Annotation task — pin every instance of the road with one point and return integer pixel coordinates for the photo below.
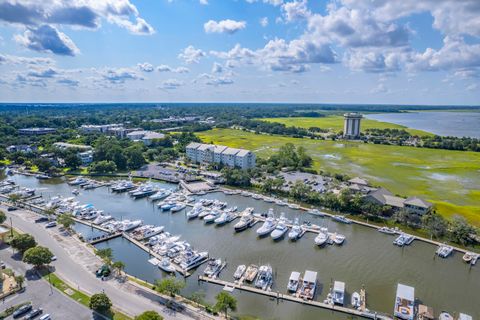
(72, 264)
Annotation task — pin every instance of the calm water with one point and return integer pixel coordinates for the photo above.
(367, 257)
(443, 123)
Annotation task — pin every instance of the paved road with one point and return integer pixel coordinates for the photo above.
(85, 280)
(39, 292)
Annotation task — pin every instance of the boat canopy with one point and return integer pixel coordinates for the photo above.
(294, 276)
(310, 276)
(405, 292)
(339, 286)
(154, 261)
(463, 316)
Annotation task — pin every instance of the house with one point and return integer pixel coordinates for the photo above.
(36, 131)
(66, 146)
(104, 128)
(417, 205)
(24, 148)
(384, 197)
(358, 181)
(86, 157)
(146, 137)
(209, 153)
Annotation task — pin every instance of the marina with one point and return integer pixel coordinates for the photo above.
(283, 256)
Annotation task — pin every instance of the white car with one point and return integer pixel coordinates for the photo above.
(54, 258)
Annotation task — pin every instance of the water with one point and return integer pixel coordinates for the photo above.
(443, 123)
(367, 257)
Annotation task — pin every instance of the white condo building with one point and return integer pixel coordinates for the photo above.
(209, 153)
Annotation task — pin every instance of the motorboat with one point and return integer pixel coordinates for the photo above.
(321, 239)
(316, 212)
(257, 196)
(161, 194)
(338, 238)
(77, 181)
(445, 316)
(470, 257)
(166, 206)
(444, 251)
(41, 176)
(178, 207)
(166, 265)
(309, 285)
(403, 239)
(91, 214)
(404, 302)
(193, 260)
(214, 214)
(143, 191)
(342, 219)
(388, 230)
(280, 229)
(75, 192)
(195, 211)
(293, 206)
(338, 292)
(123, 186)
(146, 232)
(296, 232)
(293, 281)
(128, 225)
(239, 272)
(101, 218)
(265, 277)
(225, 217)
(246, 220)
(280, 203)
(355, 300)
(205, 212)
(213, 268)
(251, 273)
(268, 225)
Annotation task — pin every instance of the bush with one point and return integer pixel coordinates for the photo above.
(100, 302)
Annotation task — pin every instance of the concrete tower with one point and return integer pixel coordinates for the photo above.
(351, 126)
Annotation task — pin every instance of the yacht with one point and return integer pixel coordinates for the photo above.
(257, 196)
(101, 218)
(166, 206)
(161, 194)
(316, 212)
(239, 272)
(193, 260)
(128, 225)
(246, 220)
(166, 265)
(146, 232)
(355, 300)
(144, 191)
(251, 273)
(265, 277)
(321, 239)
(195, 211)
(225, 217)
(404, 302)
(403, 239)
(470, 257)
(338, 238)
(342, 219)
(268, 225)
(296, 232)
(280, 202)
(309, 285)
(338, 294)
(75, 192)
(444, 251)
(178, 207)
(388, 230)
(123, 186)
(205, 212)
(77, 181)
(280, 229)
(293, 206)
(91, 214)
(293, 282)
(213, 268)
(214, 214)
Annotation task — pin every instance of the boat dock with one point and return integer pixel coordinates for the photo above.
(286, 297)
(93, 225)
(105, 237)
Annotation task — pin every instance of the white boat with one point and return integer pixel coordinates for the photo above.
(257, 196)
(143, 191)
(296, 232)
(214, 214)
(213, 268)
(166, 206)
(338, 293)
(342, 219)
(75, 192)
(149, 232)
(161, 194)
(102, 218)
(128, 225)
(404, 302)
(338, 238)
(316, 212)
(195, 211)
(280, 202)
(205, 212)
(321, 239)
(239, 272)
(225, 217)
(403, 239)
(251, 273)
(445, 316)
(178, 207)
(444, 251)
(265, 277)
(293, 206)
(309, 285)
(194, 260)
(280, 229)
(123, 186)
(267, 226)
(77, 181)
(355, 300)
(293, 281)
(388, 230)
(246, 220)
(166, 265)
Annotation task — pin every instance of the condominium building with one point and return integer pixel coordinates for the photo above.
(146, 137)
(209, 153)
(36, 131)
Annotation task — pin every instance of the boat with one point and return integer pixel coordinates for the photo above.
(403, 239)
(194, 260)
(342, 219)
(316, 212)
(257, 196)
(404, 302)
(128, 225)
(213, 268)
(101, 218)
(445, 316)
(143, 191)
(338, 293)
(296, 232)
(77, 181)
(239, 272)
(178, 207)
(123, 186)
(355, 300)
(246, 220)
(42, 176)
(205, 212)
(309, 285)
(166, 265)
(214, 214)
(268, 225)
(338, 238)
(75, 192)
(293, 206)
(268, 199)
(293, 281)
(463, 316)
(195, 211)
(161, 194)
(280, 229)
(470, 257)
(265, 277)
(166, 206)
(225, 217)
(146, 232)
(321, 239)
(251, 273)
(444, 251)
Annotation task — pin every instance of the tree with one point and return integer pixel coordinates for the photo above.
(300, 190)
(105, 254)
(100, 302)
(49, 212)
(225, 301)
(435, 224)
(169, 285)
(149, 315)
(65, 220)
(119, 266)
(104, 166)
(23, 242)
(38, 256)
(42, 164)
(460, 231)
(20, 280)
(14, 197)
(72, 161)
(135, 157)
(3, 217)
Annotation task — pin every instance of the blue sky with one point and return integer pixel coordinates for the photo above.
(343, 51)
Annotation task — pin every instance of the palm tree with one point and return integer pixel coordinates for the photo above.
(119, 266)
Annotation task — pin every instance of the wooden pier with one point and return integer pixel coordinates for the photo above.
(105, 237)
(286, 297)
(91, 224)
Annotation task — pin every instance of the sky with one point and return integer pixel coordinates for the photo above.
(298, 51)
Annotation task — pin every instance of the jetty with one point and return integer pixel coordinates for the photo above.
(286, 297)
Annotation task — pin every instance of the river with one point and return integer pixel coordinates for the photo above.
(367, 257)
(442, 123)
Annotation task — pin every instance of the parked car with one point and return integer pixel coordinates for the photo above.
(33, 314)
(45, 317)
(51, 224)
(22, 310)
(12, 208)
(2, 265)
(54, 258)
(41, 219)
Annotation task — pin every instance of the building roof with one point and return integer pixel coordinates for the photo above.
(380, 194)
(230, 151)
(359, 181)
(193, 145)
(153, 135)
(405, 292)
(72, 146)
(243, 152)
(219, 149)
(339, 286)
(310, 276)
(394, 201)
(418, 202)
(204, 146)
(294, 276)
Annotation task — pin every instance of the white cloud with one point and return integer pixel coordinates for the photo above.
(171, 84)
(217, 68)
(219, 81)
(271, 2)
(264, 21)
(118, 75)
(47, 39)
(204, 2)
(191, 55)
(9, 59)
(145, 67)
(295, 10)
(224, 26)
(166, 68)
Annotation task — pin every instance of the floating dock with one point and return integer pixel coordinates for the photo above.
(286, 297)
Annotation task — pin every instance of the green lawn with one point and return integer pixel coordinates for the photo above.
(450, 179)
(335, 123)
